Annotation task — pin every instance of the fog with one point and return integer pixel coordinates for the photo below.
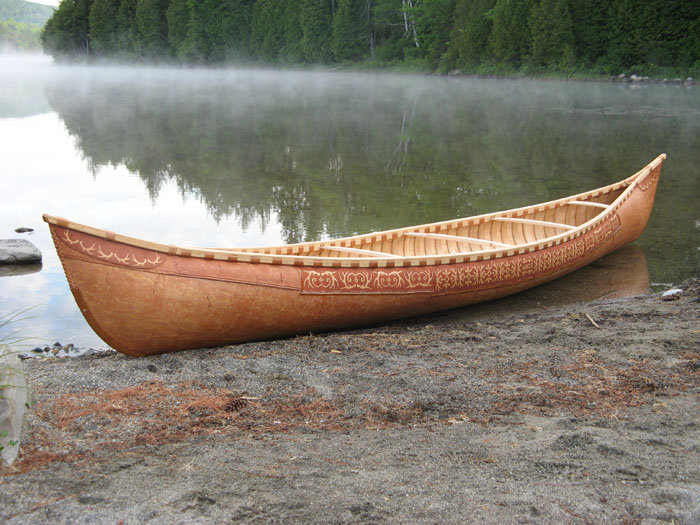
(234, 157)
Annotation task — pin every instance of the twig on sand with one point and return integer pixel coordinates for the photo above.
(591, 320)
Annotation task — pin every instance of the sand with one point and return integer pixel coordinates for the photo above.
(579, 413)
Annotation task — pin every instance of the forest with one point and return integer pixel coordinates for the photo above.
(651, 37)
(21, 23)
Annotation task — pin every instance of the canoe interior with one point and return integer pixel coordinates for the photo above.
(472, 235)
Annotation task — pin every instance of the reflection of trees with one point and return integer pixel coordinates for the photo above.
(333, 155)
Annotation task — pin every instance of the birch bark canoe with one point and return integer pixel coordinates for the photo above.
(146, 298)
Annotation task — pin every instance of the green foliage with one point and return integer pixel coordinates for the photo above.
(434, 22)
(268, 29)
(316, 20)
(127, 31)
(291, 52)
(19, 36)
(351, 31)
(65, 32)
(470, 35)
(510, 33)
(226, 24)
(589, 20)
(552, 33)
(482, 36)
(25, 12)
(103, 30)
(152, 25)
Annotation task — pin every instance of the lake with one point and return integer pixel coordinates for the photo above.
(223, 157)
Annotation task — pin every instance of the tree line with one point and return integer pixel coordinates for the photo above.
(489, 36)
(21, 23)
(17, 36)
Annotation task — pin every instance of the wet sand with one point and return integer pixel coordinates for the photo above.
(523, 411)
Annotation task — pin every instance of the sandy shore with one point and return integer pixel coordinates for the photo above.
(584, 413)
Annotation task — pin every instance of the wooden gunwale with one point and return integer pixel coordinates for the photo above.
(281, 254)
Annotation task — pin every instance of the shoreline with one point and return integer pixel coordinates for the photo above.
(575, 413)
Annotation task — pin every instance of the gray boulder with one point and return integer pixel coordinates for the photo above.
(18, 251)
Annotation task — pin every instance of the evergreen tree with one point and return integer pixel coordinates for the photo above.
(590, 29)
(58, 36)
(351, 32)
(103, 30)
(470, 35)
(227, 28)
(127, 31)
(316, 20)
(66, 32)
(435, 20)
(510, 33)
(293, 35)
(552, 34)
(267, 29)
(152, 27)
(178, 17)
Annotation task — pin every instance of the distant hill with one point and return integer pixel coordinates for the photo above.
(25, 12)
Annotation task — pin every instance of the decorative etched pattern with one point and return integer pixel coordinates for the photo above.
(366, 281)
(650, 179)
(110, 252)
(459, 277)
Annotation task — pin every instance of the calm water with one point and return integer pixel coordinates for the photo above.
(240, 158)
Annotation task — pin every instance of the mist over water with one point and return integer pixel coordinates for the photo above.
(252, 157)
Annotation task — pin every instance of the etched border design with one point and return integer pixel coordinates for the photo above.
(460, 277)
(105, 251)
(651, 177)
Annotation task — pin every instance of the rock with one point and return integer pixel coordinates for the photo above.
(454, 73)
(14, 403)
(621, 76)
(635, 78)
(690, 80)
(18, 251)
(671, 295)
(24, 230)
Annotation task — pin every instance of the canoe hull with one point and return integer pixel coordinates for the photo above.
(144, 302)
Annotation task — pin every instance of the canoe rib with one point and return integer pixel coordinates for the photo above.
(145, 298)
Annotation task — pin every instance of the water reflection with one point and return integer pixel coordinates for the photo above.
(333, 155)
(9, 270)
(623, 273)
(253, 158)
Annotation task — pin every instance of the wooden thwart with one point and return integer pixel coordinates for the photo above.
(458, 238)
(592, 204)
(536, 222)
(359, 251)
